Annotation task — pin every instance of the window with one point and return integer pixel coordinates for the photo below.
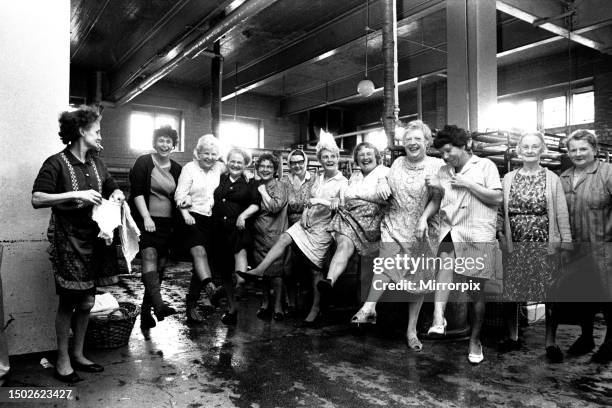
(241, 132)
(557, 113)
(144, 121)
(553, 112)
(583, 108)
(378, 138)
(521, 115)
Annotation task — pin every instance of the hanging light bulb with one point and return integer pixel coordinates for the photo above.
(366, 87)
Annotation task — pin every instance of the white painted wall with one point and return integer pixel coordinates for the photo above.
(34, 86)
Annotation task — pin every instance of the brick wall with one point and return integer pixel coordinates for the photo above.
(603, 98)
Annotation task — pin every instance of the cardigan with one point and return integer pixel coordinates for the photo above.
(559, 232)
(140, 182)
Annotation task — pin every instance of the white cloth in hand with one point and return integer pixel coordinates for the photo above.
(108, 217)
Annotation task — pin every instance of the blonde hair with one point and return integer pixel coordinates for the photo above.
(419, 125)
(207, 140)
(537, 134)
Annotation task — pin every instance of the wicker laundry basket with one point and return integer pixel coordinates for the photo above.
(112, 330)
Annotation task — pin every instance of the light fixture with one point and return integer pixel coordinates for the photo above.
(365, 86)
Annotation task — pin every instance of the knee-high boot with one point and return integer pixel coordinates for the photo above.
(153, 296)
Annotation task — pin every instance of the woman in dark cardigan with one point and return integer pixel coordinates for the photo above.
(153, 179)
(71, 183)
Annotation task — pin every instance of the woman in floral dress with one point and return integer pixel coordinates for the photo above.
(410, 226)
(356, 225)
(536, 221)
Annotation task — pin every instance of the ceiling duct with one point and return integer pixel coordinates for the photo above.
(241, 14)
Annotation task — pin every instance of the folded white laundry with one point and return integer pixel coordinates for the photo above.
(108, 217)
(104, 304)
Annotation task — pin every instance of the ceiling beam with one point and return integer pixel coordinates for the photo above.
(324, 42)
(247, 10)
(82, 39)
(170, 35)
(411, 67)
(518, 9)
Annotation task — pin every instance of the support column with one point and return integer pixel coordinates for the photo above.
(216, 74)
(391, 99)
(34, 67)
(471, 32)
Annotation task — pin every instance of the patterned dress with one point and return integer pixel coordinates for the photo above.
(269, 224)
(529, 271)
(409, 197)
(310, 235)
(298, 194)
(360, 218)
(81, 261)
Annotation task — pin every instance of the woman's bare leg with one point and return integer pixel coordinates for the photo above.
(62, 331)
(317, 275)
(277, 251)
(414, 308)
(344, 250)
(445, 275)
(201, 265)
(369, 306)
(81, 319)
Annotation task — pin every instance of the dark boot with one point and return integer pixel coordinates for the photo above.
(153, 295)
(146, 319)
(193, 313)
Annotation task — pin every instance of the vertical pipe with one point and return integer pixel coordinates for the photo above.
(389, 31)
(420, 98)
(216, 73)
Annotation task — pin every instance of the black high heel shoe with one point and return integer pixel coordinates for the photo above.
(248, 277)
(71, 378)
(312, 324)
(88, 368)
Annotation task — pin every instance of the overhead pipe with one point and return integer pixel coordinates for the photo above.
(390, 91)
(242, 13)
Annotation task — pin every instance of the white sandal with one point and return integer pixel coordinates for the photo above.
(439, 329)
(476, 358)
(362, 318)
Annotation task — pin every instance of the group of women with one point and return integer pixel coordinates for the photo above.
(434, 207)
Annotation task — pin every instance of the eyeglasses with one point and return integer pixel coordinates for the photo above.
(296, 162)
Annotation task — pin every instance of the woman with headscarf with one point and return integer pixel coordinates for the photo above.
(298, 184)
(310, 237)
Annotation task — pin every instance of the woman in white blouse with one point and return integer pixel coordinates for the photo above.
(194, 195)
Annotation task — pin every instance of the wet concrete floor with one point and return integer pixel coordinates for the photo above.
(273, 364)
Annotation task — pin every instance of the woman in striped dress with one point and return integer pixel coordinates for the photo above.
(472, 193)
